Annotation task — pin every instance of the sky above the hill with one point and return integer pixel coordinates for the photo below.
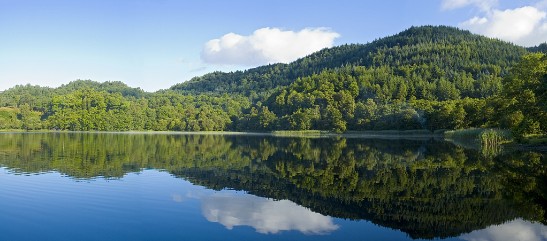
(156, 44)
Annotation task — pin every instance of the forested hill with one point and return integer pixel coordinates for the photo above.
(429, 53)
(540, 48)
(422, 78)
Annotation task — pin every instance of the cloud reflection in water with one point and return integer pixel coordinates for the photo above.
(264, 215)
(515, 230)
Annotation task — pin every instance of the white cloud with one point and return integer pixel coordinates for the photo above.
(264, 215)
(484, 5)
(267, 45)
(475, 21)
(524, 26)
(541, 4)
(515, 230)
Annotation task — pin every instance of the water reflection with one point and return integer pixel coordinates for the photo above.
(514, 230)
(425, 188)
(264, 215)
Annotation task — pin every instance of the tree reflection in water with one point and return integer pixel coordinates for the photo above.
(425, 188)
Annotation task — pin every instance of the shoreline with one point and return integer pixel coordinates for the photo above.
(390, 134)
(381, 134)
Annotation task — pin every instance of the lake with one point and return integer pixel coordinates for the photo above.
(175, 186)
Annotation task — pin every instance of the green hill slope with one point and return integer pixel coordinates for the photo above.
(472, 63)
(430, 77)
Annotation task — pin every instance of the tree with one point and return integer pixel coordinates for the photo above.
(30, 119)
(524, 96)
(267, 118)
(8, 118)
(334, 120)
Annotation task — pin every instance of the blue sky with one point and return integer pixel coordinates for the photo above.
(156, 44)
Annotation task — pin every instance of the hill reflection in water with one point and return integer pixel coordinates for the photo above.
(424, 188)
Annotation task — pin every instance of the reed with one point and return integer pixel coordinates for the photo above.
(302, 133)
(494, 137)
(488, 141)
(393, 132)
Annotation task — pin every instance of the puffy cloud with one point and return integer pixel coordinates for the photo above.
(264, 215)
(541, 4)
(267, 45)
(524, 26)
(484, 5)
(515, 230)
(475, 21)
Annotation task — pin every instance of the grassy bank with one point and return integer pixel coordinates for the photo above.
(304, 133)
(488, 141)
(23, 130)
(530, 142)
(361, 134)
(393, 132)
(485, 136)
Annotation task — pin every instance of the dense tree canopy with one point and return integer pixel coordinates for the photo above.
(422, 78)
(523, 101)
(420, 55)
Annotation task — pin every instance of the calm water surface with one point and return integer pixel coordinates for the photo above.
(89, 186)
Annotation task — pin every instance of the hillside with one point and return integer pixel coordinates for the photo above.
(40, 97)
(422, 78)
(430, 53)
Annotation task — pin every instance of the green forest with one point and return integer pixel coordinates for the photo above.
(429, 77)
